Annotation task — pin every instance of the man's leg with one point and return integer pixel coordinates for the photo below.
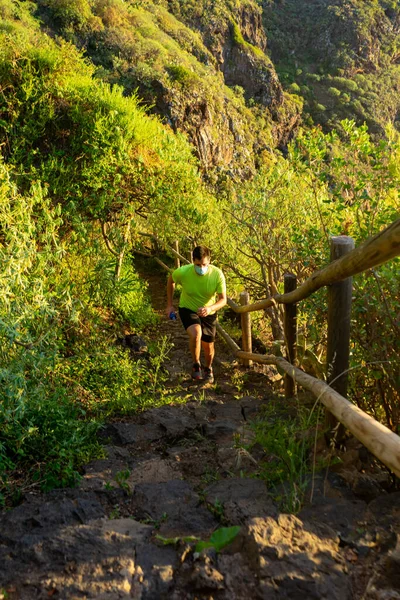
(209, 352)
(194, 333)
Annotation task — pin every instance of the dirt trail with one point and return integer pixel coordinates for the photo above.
(177, 471)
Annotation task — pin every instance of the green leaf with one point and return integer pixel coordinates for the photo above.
(220, 538)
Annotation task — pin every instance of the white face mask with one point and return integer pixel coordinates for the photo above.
(201, 270)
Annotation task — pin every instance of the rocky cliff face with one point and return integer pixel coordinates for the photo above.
(236, 39)
(238, 42)
(203, 69)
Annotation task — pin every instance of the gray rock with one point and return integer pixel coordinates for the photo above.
(241, 499)
(134, 433)
(154, 470)
(249, 407)
(99, 473)
(296, 560)
(91, 561)
(58, 509)
(341, 515)
(174, 421)
(154, 572)
(174, 507)
(220, 430)
(236, 460)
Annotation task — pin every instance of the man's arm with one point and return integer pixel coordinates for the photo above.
(170, 295)
(206, 310)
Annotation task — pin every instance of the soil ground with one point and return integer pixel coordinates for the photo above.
(178, 472)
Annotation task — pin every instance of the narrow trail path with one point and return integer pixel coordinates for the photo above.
(178, 471)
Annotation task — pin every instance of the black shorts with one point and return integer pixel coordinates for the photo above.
(208, 324)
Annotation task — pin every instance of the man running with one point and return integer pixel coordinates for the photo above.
(203, 293)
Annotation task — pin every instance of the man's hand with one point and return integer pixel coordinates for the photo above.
(204, 311)
(169, 310)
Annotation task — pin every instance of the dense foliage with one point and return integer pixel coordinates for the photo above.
(282, 221)
(342, 57)
(144, 48)
(85, 171)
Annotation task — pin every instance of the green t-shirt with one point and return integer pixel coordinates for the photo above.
(199, 290)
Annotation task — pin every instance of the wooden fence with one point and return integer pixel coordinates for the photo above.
(346, 261)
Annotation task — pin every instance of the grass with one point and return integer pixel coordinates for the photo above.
(287, 441)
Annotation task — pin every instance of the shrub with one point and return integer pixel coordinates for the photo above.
(334, 92)
(294, 88)
(70, 12)
(182, 75)
(313, 76)
(347, 84)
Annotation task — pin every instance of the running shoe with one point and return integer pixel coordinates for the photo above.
(196, 372)
(208, 375)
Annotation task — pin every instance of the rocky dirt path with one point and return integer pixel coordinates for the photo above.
(178, 471)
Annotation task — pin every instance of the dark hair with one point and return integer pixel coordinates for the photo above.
(201, 252)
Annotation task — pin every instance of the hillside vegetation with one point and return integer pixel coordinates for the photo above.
(82, 168)
(117, 119)
(343, 58)
(211, 83)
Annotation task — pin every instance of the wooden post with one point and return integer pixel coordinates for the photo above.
(339, 312)
(175, 246)
(246, 328)
(290, 328)
(190, 256)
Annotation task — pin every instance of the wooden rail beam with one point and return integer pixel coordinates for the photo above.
(383, 443)
(232, 304)
(160, 262)
(372, 253)
(229, 341)
(180, 256)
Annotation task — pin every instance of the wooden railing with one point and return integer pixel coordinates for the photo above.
(346, 262)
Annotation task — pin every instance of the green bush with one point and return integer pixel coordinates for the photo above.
(182, 75)
(132, 303)
(334, 92)
(70, 12)
(313, 76)
(347, 84)
(294, 88)
(92, 169)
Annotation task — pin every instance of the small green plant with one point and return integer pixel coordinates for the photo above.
(217, 509)
(201, 396)
(217, 389)
(238, 379)
(220, 539)
(160, 353)
(237, 443)
(122, 480)
(156, 523)
(286, 444)
(115, 513)
(210, 476)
